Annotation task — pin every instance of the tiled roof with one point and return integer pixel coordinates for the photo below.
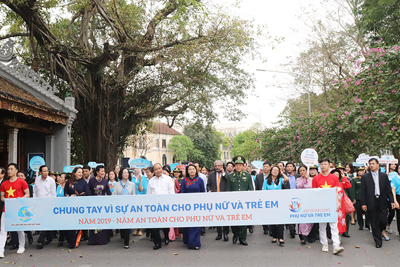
(162, 128)
(9, 91)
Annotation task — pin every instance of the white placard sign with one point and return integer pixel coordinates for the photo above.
(388, 159)
(309, 157)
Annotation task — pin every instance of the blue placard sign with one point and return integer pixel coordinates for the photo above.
(139, 163)
(69, 169)
(36, 162)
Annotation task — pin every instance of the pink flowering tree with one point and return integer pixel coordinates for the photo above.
(365, 120)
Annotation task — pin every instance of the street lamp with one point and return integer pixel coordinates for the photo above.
(294, 74)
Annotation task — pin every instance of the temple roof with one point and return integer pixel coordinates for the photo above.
(20, 86)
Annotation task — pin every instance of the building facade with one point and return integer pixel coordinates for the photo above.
(153, 145)
(33, 120)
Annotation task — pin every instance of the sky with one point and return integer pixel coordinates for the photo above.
(281, 18)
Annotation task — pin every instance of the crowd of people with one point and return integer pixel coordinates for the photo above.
(368, 197)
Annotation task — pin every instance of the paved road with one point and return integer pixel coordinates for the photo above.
(260, 252)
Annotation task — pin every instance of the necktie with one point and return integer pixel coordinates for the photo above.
(218, 181)
(376, 180)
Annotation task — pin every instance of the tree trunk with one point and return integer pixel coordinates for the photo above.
(100, 127)
(396, 153)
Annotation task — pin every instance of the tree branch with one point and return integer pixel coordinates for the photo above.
(104, 13)
(13, 35)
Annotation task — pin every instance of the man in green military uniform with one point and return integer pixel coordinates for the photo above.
(355, 196)
(239, 181)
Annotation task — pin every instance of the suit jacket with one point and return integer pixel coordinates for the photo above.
(368, 191)
(287, 184)
(213, 181)
(259, 181)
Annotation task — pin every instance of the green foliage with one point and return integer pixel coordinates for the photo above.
(206, 143)
(246, 144)
(226, 142)
(366, 120)
(382, 20)
(127, 62)
(181, 146)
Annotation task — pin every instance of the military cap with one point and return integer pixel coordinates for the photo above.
(239, 159)
(314, 167)
(360, 168)
(177, 170)
(52, 173)
(339, 165)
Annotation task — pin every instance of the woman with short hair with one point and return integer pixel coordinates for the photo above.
(192, 184)
(99, 187)
(75, 187)
(124, 187)
(274, 181)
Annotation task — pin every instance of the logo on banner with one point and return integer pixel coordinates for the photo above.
(295, 205)
(25, 214)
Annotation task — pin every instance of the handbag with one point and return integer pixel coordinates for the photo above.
(348, 205)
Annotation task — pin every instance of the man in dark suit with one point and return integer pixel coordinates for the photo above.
(260, 178)
(375, 192)
(290, 172)
(217, 183)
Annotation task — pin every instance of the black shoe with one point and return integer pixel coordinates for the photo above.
(60, 244)
(270, 233)
(30, 241)
(281, 243)
(273, 241)
(378, 245)
(14, 247)
(360, 228)
(243, 242)
(251, 229)
(303, 243)
(368, 227)
(39, 246)
(166, 241)
(219, 237)
(311, 240)
(147, 234)
(156, 247)
(292, 234)
(203, 233)
(226, 238)
(265, 232)
(234, 239)
(346, 235)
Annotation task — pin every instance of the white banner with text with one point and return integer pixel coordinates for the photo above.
(179, 210)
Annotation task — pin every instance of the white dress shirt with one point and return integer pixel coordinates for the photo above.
(375, 176)
(161, 185)
(202, 176)
(46, 188)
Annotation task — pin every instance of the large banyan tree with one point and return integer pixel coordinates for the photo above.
(128, 61)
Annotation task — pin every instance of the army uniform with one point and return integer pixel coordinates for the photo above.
(239, 181)
(355, 194)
